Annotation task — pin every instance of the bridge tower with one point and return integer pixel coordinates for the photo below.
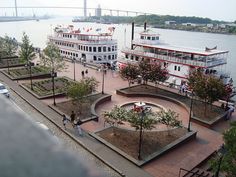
(85, 8)
(16, 9)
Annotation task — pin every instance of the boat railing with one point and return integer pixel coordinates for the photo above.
(165, 58)
(75, 40)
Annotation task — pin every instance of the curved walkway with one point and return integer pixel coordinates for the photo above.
(186, 156)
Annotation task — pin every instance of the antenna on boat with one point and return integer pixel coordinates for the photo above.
(132, 36)
(145, 26)
(125, 37)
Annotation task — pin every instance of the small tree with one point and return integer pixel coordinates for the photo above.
(228, 164)
(92, 83)
(158, 74)
(169, 118)
(52, 58)
(145, 70)
(9, 46)
(206, 87)
(129, 72)
(145, 119)
(26, 50)
(116, 116)
(78, 91)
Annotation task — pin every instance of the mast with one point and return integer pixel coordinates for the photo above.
(16, 8)
(85, 8)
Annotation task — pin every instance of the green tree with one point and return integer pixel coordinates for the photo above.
(116, 116)
(8, 46)
(52, 59)
(158, 74)
(145, 119)
(79, 90)
(129, 72)
(169, 118)
(228, 164)
(27, 53)
(145, 70)
(207, 87)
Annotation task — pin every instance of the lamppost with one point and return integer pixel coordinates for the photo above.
(31, 81)
(8, 67)
(74, 67)
(222, 151)
(141, 134)
(53, 87)
(190, 112)
(103, 73)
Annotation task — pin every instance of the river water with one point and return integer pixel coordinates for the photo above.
(38, 31)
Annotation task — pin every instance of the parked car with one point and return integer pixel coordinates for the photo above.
(4, 91)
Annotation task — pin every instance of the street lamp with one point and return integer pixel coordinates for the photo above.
(53, 87)
(31, 81)
(190, 112)
(222, 151)
(103, 73)
(74, 67)
(8, 69)
(141, 134)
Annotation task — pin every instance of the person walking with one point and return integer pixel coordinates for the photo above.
(64, 120)
(72, 118)
(78, 128)
(82, 73)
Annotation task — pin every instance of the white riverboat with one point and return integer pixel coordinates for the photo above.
(86, 45)
(179, 61)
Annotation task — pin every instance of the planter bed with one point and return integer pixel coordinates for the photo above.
(155, 143)
(214, 113)
(23, 73)
(43, 89)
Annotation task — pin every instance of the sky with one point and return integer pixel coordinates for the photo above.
(214, 9)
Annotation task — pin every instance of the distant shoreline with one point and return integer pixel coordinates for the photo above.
(16, 19)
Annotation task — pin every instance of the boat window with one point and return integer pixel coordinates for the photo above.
(79, 47)
(105, 57)
(94, 49)
(136, 58)
(132, 57)
(126, 56)
(77, 55)
(178, 68)
(90, 49)
(157, 38)
(148, 38)
(86, 48)
(104, 49)
(175, 67)
(153, 38)
(142, 37)
(95, 58)
(73, 54)
(113, 57)
(109, 57)
(99, 59)
(99, 49)
(109, 49)
(113, 48)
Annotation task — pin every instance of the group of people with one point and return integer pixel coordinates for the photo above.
(183, 88)
(74, 122)
(84, 72)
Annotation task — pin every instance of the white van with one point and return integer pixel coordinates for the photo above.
(3, 90)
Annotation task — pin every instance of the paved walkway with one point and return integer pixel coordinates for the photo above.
(104, 153)
(186, 156)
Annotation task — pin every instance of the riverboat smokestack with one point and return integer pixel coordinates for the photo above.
(145, 26)
(132, 36)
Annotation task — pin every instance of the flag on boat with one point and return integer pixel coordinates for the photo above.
(111, 29)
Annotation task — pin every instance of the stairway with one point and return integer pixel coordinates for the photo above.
(196, 172)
